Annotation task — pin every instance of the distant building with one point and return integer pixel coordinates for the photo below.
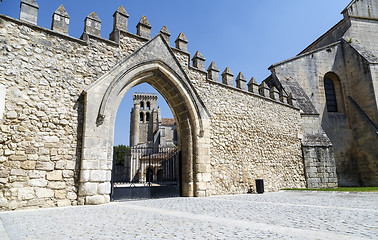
(147, 127)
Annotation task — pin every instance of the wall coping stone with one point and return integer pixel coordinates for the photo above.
(305, 54)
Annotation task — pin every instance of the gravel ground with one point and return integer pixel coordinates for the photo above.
(280, 215)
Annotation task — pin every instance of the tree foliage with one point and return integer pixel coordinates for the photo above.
(120, 152)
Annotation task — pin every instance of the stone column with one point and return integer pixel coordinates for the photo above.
(60, 20)
(134, 128)
(29, 11)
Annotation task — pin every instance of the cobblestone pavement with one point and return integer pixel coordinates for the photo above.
(281, 215)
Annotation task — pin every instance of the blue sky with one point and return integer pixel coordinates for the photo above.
(245, 35)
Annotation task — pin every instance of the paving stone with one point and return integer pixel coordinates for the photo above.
(281, 215)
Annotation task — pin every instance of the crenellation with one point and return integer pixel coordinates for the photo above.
(54, 85)
(29, 11)
(283, 96)
(291, 100)
(60, 20)
(166, 34)
(274, 93)
(92, 25)
(213, 72)
(120, 19)
(144, 28)
(241, 82)
(199, 61)
(228, 77)
(181, 42)
(253, 86)
(264, 89)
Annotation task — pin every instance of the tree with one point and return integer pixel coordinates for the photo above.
(120, 153)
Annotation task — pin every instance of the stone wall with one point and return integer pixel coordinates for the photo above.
(251, 137)
(44, 74)
(348, 55)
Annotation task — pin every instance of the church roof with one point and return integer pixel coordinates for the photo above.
(168, 121)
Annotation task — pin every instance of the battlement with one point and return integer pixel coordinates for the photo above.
(92, 29)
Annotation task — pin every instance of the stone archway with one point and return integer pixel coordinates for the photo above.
(155, 64)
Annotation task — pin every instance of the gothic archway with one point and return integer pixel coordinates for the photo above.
(155, 64)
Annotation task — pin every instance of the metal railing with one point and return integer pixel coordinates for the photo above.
(144, 166)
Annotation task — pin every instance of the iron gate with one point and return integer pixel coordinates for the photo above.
(142, 172)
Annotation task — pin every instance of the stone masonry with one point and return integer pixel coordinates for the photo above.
(58, 102)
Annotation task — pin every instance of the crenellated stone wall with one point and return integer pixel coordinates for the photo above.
(45, 79)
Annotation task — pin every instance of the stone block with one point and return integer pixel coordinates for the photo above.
(25, 193)
(90, 164)
(104, 188)
(44, 193)
(201, 194)
(51, 139)
(36, 174)
(60, 194)
(64, 203)
(3, 202)
(44, 166)
(201, 186)
(85, 175)
(68, 173)
(38, 182)
(95, 200)
(98, 175)
(18, 172)
(88, 189)
(28, 165)
(71, 196)
(56, 185)
(55, 175)
(60, 164)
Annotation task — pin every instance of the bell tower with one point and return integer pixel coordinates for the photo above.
(144, 119)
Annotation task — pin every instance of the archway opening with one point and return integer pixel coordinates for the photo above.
(146, 147)
(102, 100)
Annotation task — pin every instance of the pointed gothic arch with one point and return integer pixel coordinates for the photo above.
(156, 65)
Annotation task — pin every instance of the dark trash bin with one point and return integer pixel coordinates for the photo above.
(259, 186)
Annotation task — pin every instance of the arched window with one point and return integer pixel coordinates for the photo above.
(141, 105)
(329, 88)
(148, 105)
(141, 117)
(147, 117)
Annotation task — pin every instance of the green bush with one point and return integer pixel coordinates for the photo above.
(120, 152)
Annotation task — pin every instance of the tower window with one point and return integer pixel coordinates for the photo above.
(148, 105)
(147, 117)
(141, 105)
(329, 88)
(141, 116)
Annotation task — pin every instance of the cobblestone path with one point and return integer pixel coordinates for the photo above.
(281, 215)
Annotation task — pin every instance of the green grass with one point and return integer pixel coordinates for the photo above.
(339, 189)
